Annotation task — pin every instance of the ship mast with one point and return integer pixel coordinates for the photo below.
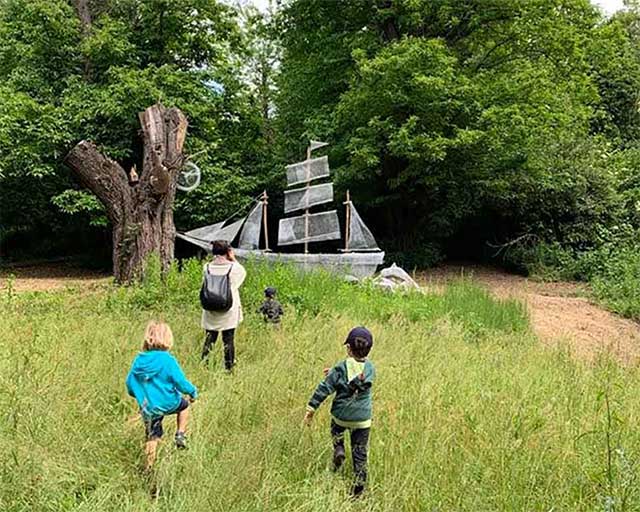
(347, 204)
(265, 202)
(306, 211)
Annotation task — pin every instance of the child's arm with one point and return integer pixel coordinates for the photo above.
(324, 389)
(182, 383)
(133, 388)
(131, 385)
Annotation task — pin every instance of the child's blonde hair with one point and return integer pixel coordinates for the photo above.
(157, 336)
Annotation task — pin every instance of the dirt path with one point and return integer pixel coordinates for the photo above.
(560, 313)
(49, 277)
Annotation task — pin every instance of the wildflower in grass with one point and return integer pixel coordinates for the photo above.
(351, 380)
(158, 384)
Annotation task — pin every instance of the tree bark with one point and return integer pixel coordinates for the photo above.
(141, 214)
(389, 24)
(84, 14)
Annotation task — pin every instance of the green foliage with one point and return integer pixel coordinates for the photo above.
(458, 124)
(65, 82)
(77, 201)
(459, 405)
(617, 283)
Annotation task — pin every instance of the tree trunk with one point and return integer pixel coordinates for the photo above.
(141, 213)
(84, 14)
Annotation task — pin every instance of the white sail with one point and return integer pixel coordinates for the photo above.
(229, 232)
(308, 170)
(301, 198)
(250, 235)
(322, 226)
(360, 237)
(207, 233)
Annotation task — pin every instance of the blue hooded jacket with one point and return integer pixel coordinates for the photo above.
(157, 383)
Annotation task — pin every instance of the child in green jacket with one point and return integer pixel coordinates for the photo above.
(351, 381)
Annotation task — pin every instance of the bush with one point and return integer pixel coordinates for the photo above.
(618, 283)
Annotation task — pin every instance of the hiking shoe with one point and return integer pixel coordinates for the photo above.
(338, 457)
(181, 440)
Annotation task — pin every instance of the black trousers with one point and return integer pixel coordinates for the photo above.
(359, 449)
(229, 348)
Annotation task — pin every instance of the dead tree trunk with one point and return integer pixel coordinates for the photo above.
(141, 213)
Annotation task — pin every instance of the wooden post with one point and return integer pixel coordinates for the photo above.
(347, 222)
(306, 211)
(265, 201)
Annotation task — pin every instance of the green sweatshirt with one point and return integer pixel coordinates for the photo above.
(351, 381)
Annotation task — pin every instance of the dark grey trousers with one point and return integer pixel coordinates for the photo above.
(359, 449)
(229, 348)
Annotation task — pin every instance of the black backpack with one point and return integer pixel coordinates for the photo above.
(215, 294)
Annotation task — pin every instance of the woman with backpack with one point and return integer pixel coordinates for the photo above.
(220, 299)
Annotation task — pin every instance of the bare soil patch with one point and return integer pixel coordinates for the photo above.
(50, 277)
(561, 313)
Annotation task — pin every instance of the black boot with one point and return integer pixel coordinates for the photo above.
(357, 490)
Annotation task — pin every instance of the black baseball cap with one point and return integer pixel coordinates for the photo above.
(360, 336)
(270, 291)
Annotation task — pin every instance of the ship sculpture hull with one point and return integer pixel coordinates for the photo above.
(356, 264)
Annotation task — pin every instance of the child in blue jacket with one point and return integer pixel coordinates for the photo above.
(351, 380)
(157, 383)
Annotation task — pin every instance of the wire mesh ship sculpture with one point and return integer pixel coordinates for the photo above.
(360, 256)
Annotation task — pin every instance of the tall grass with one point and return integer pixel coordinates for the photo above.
(470, 412)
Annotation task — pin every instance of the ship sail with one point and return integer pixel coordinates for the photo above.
(203, 236)
(321, 226)
(206, 232)
(360, 237)
(229, 232)
(250, 235)
(302, 198)
(311, 169)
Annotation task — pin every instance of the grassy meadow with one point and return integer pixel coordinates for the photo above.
(471, 412)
